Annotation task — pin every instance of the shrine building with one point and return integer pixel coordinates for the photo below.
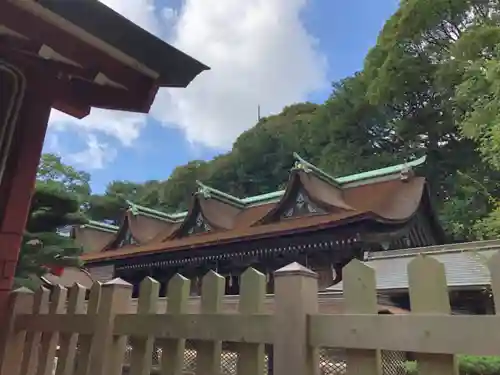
(321, 221)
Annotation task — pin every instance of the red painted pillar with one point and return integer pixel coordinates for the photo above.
(17, 183)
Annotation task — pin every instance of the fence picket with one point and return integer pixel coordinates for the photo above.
(172, 357)
(494, 267)
(49, 340)
(208, 356)
(68, 341)
(296, 297)
(84, 354)
(252, 295)
(429, 294)
(108, 351)
(34, 326)
(361, 298)
(31, 346)
(142, 347)
(12, 344)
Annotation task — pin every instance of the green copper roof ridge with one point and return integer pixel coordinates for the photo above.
(100, 226)
(208, 191)
(138, 209)
(381, 172)
(344, 180)
(262, 198)
(309, 167)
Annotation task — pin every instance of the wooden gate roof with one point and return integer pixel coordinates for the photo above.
(97, 57)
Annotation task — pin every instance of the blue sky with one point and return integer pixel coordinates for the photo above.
(343, 32)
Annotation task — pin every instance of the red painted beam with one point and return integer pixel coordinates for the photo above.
(74, 49)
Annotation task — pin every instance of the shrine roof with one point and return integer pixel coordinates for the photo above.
(93, 56)
(386, 196)
(175, 68)
(465, 265)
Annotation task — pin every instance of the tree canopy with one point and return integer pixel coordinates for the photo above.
(56, 204)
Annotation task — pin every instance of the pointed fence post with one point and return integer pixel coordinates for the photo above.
(49, 340)
(429, 294)
(252, 297)
(494, 268)
(67, 352)
(296, 296)
(172, 350)
(84, 354)
(12, 341)
(108, 351)
(142, 348)
(208, 353)
(360, 297)
(29, 363)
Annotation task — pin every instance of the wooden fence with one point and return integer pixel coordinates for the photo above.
(93, 340)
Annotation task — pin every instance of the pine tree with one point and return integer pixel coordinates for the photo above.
(44, 247)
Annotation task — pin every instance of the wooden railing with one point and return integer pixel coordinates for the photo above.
(93, 339)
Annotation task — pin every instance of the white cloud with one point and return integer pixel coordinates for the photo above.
(259, 53)
(95, 156)
(124, 126)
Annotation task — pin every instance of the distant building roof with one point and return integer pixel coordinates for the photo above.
(68, 278)
(465, 265)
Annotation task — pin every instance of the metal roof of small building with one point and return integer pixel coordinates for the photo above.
(465, 265)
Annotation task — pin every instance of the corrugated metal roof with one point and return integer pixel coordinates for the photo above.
(463, 267)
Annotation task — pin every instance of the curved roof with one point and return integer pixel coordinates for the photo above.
(69, 277)
(388, 197)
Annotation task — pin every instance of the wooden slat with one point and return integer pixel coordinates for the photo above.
(222, 327)
(31, 346)
(49, 340)
(296, 298)
(251, 358)
(107, 350)
(68, 341)
(474, 334)
(142, 347)
(208, 358)
(12, 344)
(79, 323)
(172, 357)
(429, 294)
(83, 360)
(494, 267)
(361, 298)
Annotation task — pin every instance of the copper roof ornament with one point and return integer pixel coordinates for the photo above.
(406, 173)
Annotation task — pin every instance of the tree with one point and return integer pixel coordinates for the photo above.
(414, 69)
(55, 205)
(51, 171)
(176, 193)
(350, 135)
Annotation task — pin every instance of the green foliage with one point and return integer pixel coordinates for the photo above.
(55, 205)
(468, 365)
(53, 173)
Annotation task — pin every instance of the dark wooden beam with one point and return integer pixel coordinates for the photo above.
(102, 96)
(39, 31)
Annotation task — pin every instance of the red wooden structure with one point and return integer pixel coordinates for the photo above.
(72, 56)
